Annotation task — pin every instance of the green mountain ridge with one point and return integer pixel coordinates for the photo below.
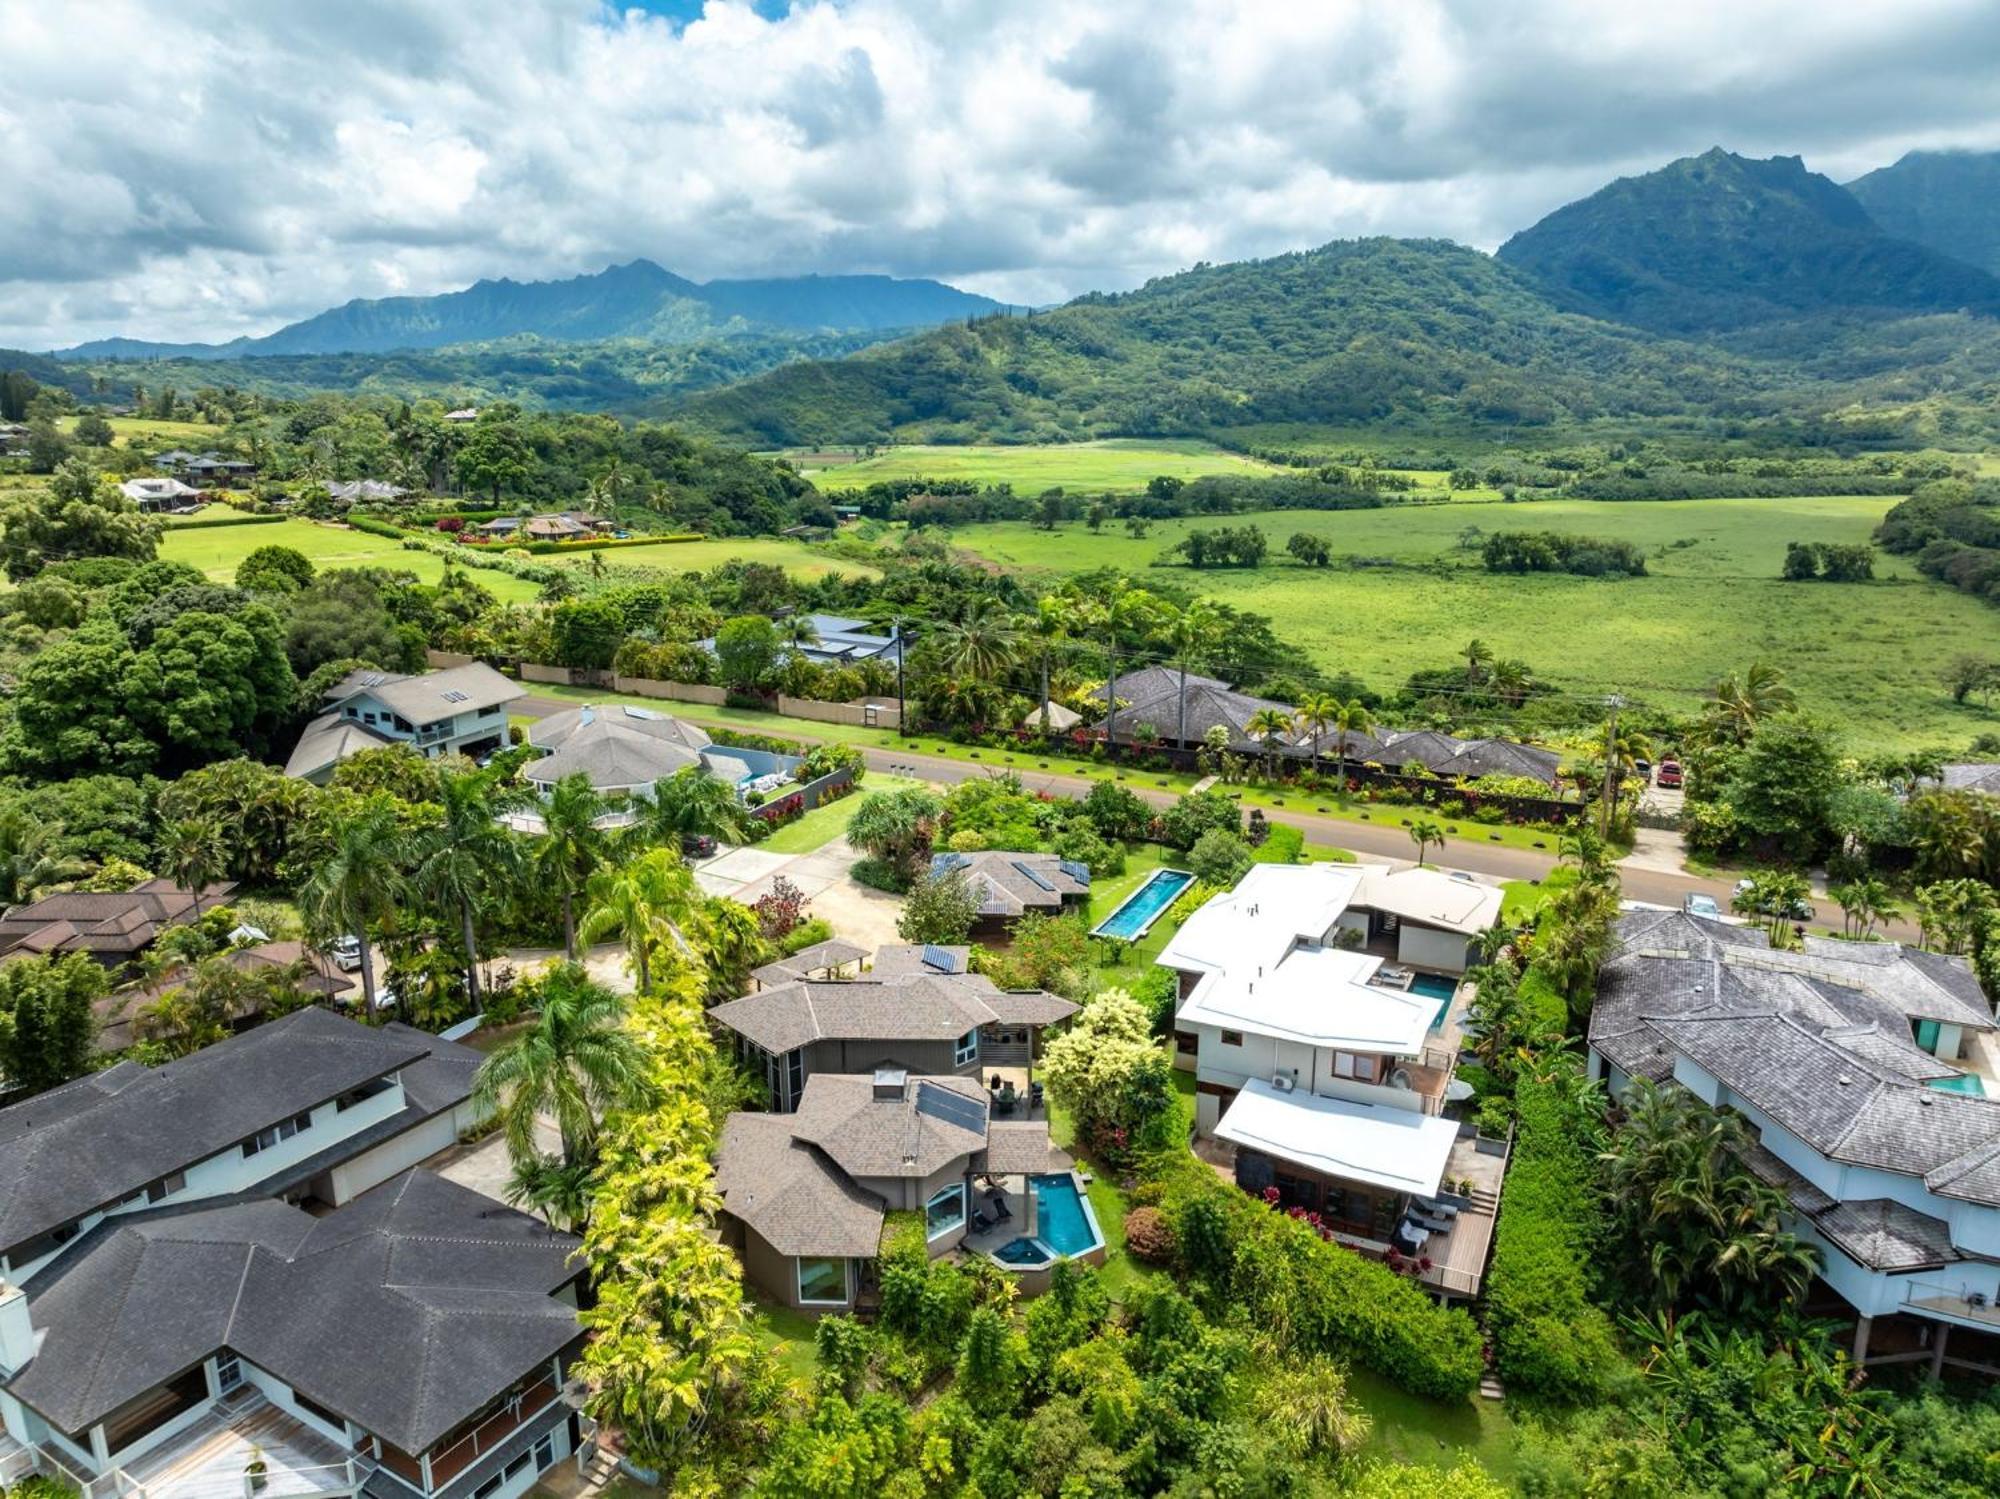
(1948, 200)
(638, 300)
(1717, 241)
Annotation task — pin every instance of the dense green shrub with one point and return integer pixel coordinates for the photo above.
(1284, 844)
(1549, 1339)
(1196, 813)
(1314, 1294)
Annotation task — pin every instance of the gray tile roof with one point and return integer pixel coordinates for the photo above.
(919, 1006)
(1886, 1235)
(430, 696)
(791, 1193)
(405, 1311)
(817, 958)
(328, 740)
(919, 1131)
(1010, 884)
(98, 1140)
(614, 745)
(1977, 776)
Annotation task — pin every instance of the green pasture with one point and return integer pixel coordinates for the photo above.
(217, 550)
(1866, 655)
(1117, 465)
(145, 429)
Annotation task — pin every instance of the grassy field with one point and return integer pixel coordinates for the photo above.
(1116, 466)
(822, 825)
(1866, 655)
(194, 436)
(217, 551)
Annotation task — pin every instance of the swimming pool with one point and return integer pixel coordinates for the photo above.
(1065, 1226)
(1439, 987)
(1965, 1082)
(1144, 906)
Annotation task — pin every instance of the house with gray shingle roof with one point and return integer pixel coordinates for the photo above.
(461, 710)
(805, 1195)
(1865, 1072)
(624, 750)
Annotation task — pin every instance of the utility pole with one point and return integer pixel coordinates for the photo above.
(902, 708)
(1614, 703)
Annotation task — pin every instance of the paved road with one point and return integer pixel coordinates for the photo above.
(1390, 842)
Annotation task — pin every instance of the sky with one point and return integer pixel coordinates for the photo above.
(200, 169)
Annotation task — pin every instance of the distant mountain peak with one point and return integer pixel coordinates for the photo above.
(1948, 200)
(1721, 240)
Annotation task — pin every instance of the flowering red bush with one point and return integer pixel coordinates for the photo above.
(781, 910)
(1149, 1236)
(451, 524)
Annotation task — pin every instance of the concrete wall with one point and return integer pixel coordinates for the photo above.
(441, 660)
(861, 715)
(678, 692)
(1425, 947)
(398, 1153)
(535, 671)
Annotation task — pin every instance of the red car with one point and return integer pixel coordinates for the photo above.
(1670, 773)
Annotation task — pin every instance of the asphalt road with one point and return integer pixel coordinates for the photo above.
(1390, 844)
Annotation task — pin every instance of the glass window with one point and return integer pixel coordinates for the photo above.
(1232, 1038)
(822, 1282)
(795, 1076)
(545, 1453)
(1927, 1036)
(967, 1049)
(945, 1211)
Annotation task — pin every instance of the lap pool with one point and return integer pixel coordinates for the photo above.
(1144, 906)
(1065, 1226)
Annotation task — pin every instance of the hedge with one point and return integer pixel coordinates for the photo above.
(1313, 1294)
(372, 527)
(225, 521)
(600, 544)
(1549, 1339)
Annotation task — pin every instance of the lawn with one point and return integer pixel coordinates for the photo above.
(795, 557)
(195, 436)
(1861, 654)
(217, 550)
(1118, 466)
(822, 825)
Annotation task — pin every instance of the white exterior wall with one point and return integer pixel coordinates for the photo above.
(398, 1153)
(1424, 947)
(280, 1394)
(528, 1477)
(1262, 1057)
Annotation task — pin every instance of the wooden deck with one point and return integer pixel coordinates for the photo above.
(206, 1461)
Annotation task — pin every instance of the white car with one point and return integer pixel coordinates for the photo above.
(346, 953)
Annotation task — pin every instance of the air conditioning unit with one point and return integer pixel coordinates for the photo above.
(1400, 1078)
(1284, 1082)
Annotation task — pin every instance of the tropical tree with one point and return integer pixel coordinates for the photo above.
(1742, 702)
(982, 646)
(1512, 681)
(1863, 903)
(576, 1062)
(1305, 1404)
(800, 631)
(1478, 656)
(29, 859)
(690, 803)
(1191, 632)
(1047, 626)
(468, 860)
(648, 900)
(1424, 831)
(1269, 725)
(1775, 896)
(360, 883)
(896, 827)
(1316, 713)
(572, 845)
(192, 852)
(1352, 718)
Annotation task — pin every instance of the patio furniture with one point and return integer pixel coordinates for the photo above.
(1409, 1238)
(1007, 1099)
(1434, 1207)
(1001, 1212)
(993, 1083)
(1425, 1220)
(980, 1222)
(1034, 1095)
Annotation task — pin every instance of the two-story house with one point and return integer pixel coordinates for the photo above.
(461, 710)
(918, 1010)
(1323, 1054)
(1866, 1073)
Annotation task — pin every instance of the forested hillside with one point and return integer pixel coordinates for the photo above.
(1719, 240)
(1949, 200)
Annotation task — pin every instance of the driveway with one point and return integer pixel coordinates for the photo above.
(484, 1167)
(857, 914)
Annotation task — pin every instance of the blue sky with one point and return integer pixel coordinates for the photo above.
(291, 157)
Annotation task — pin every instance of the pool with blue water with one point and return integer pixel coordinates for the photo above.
(1144, 906)
(1064, 1226)
(1439, 987)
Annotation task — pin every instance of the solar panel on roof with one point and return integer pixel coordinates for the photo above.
(453, 695)
(1034, 875)
(645, 713)
(371, 679)
(1075, 869)
(952, 1108)
(942, 959)
(946, 863)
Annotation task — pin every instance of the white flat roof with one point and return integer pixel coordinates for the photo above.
(1430, 897)
(1397, 1149)
(1266, 969)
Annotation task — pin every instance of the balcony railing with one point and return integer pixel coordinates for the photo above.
(448, 1461)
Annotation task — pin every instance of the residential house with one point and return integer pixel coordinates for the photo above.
(918, 1010)
(823, 960)
(1008, 885)
(1446, 756)
(159, 494)
(1866, 1071)
(500, 525)
(463, 414)
(832, 640)
(459, 711)
(1318, 1008)
(567, 525)
(805, 1194)
(363, 491)
(114, 927)
(13, 438)
(1980, 776)
(625, 751)
(1149, 708)
(213, 471)
(119, 1014)
(415, 1341)
(312, 1107)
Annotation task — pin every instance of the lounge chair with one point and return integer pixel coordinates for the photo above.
(997, 1200)
(1034, 1095)
(1425, 1220)
(980, 1222)
(1409, 1238)
(1434, 1207)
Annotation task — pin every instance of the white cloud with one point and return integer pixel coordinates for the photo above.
(196, 169)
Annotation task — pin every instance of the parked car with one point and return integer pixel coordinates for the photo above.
(1697, 904)
(1797, 910)
(346, 953)
(697, 846)
(1643, 769)
(1669, 773)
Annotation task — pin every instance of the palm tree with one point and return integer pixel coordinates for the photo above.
(191, 852)
(981, 646)
(469, 858)
(646, 900)
(1742, 702)
(1352, 717)
(1316, 714)
(1425, 831)
(1125, 608)
(1511, 680)
(28, 860)
(1048, 624)
(572, 845)
(1863, 903)
(800, 630)
(574, 1064)
(1269, 725)
(1478, 656)
(361, 882)
(690, 803)
(1190, 632)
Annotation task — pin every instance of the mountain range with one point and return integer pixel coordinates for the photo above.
(638, 300)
